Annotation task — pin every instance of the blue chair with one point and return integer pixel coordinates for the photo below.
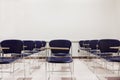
(38, 46)
(31, 47)
(106, 50)
(105, 47)
(29, 52)
(13, 47)
(60, 50)
(94, 50)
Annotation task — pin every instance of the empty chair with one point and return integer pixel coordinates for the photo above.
(110, 46)
(108, 50)
(11, 53)
(14, 48)
(60, 50)
(105, 46)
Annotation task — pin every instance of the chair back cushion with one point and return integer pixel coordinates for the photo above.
(106, 44)
(60, 43)
(15, 46)
(29, 44)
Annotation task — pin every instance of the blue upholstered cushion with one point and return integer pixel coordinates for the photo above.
(59, 59)
(94, 51)
(38, 44)
(43, 43)
(15, 46)
(105, 44)
(30, 45)
(104, 54)
(61, 54)
(113, 59)
(60, 43)
(93, 44)
(5, 60)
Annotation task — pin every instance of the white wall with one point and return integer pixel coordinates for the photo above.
(118, 18)
(51, 19)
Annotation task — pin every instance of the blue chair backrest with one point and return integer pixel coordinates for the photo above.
(81, 43)
(60, 43)
(15, 46)
(105, 44)
(93, 44)
(29, 44)
(43, 43)
(38, 44)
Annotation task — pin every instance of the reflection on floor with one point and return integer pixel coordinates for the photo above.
(84, 69)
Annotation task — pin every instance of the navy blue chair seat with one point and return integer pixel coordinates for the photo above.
(30, 51)
(7, 60)
(61, 54)
(36, 50)
(104, 54)
(94, 51)
(113, 59)
(26, 54)
(59, 59)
